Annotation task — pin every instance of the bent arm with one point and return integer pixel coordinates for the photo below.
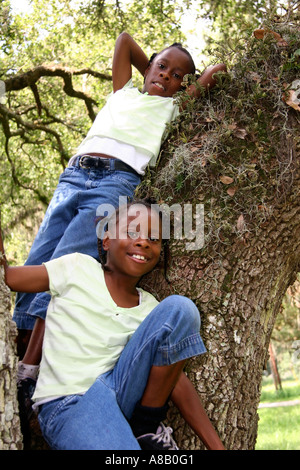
(24, 278)
(206, 80)
(186, 399)
(127, 54)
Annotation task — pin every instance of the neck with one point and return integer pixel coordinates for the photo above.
(122, 289)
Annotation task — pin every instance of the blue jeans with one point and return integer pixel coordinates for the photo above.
(98, 420)
(69, 225)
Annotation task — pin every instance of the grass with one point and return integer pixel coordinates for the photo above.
(290, 391)
(279, 427)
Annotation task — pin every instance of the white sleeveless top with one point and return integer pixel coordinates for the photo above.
(131, 127)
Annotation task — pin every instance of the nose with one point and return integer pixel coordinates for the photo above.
(142, 242)
(165, 74)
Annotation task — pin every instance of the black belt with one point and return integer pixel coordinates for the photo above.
(88, 161)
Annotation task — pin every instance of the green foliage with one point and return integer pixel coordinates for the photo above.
(286, 332)
(290, 391)
(153, 22)
(7, 33)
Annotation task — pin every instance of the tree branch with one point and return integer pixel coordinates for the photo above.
(30, 78)
(36, 95)
(9, 114)
(16, 180)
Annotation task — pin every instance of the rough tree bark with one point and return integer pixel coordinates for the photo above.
(10, 433)
(239, 295)
(239, 156)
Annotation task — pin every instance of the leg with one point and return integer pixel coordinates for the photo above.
(92, 421)
(167, 336)
(148, 415)
(33, 353)
(156, 354)
(161, 381)
(57, 217)
(22, 341)
(27, 375)
(99, 419)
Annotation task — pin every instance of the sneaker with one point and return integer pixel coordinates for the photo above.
(162, 440)
(25, 389)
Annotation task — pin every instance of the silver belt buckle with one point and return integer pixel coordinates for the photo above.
(81, 163)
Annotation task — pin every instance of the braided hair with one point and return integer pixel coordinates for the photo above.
(148, 203)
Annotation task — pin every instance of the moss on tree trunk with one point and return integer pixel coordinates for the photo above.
(237, 153)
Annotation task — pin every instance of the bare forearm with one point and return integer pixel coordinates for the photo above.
(127, 53)
(137, 56)
(186, 399)
(207, 80)
(23, 278)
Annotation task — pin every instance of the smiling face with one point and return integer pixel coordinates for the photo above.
(135, 250)
(164, 75)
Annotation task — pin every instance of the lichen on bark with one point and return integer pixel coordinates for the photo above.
(237, 151)
(10, 433)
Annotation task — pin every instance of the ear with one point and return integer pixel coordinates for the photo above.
(146, 72)
(106, 241)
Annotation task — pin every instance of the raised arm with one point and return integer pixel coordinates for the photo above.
(24, 278)
(186, 399)
(127, 54)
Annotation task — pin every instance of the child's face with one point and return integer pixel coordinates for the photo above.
(135, 248)
(165, 74)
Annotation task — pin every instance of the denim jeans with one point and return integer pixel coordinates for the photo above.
(69, 225)
(98, 420)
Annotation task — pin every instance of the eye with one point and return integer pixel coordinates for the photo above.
(133, 235)
(177, 76)
(154, 239)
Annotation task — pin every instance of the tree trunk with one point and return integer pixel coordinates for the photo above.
(237, 153)
(10, 433)
(274, 368)
(239, 156)
(239, 294)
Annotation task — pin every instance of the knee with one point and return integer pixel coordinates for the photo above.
(183, 310)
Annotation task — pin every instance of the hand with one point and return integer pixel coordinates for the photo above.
(207, 79)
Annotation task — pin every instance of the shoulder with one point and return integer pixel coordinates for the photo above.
(70, 262)
(72, 269)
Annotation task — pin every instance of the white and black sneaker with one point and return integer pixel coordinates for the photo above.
(162, 440)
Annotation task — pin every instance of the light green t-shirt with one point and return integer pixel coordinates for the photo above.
(135, 118)
(85, 330)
